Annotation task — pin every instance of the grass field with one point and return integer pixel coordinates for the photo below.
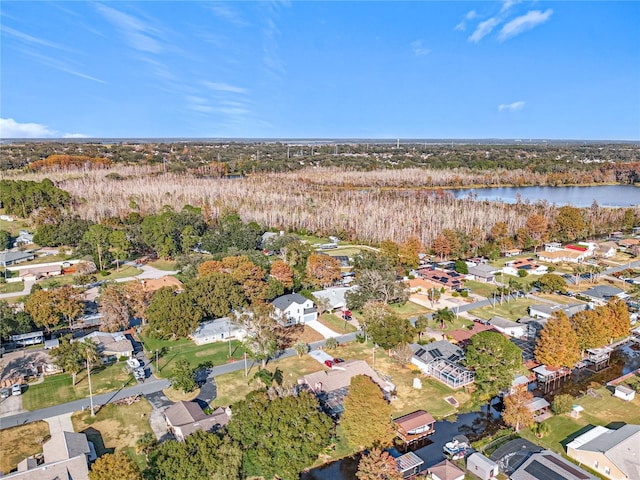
(55, 282)
(12, 287)
(57, 389)
(166, 265)
(480, 288)
(409, 309)
(172, 350)
(116, 427)
(336, 324)
(20, 442)
(512, 310)
(602, 410)
(125, 271)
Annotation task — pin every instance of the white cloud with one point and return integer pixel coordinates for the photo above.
(511, 107)
(523, 23)
(418, 49)
(224, 87)
(9, 128)
(138, 34)
(462, 26)
(507, 4)
(483, 29)
(225, 12)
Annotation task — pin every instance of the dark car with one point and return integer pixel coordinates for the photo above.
(328, 363)
(338, 360)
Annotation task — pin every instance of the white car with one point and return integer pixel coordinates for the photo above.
(16, 389)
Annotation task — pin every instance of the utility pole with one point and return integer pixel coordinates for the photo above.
(93, 413)
(157, 362)
(245, 364)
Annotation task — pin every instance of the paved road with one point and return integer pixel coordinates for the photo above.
(151, 386)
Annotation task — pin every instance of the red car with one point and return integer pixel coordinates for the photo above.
(328, 363)
(338, 360)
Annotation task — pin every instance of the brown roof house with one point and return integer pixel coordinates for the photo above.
(446, 471)
(414, 426)
(613, 454)
(185, 418)
(331, 386)
(66, 456)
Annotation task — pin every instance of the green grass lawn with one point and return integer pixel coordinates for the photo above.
(125, 271)
(57, 281)
(601, 410)
(172, 350)
(512, 310)
(480, 288)
(57, 389)
(336, 324)
(409, 310)
(167, 265)
(12, 287)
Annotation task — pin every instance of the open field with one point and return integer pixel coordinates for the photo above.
(512, 310)
(480, 288)
(409, 309)
(172, 350)
(20, 442)
(233, 387)
(57, 389)
(115, 427)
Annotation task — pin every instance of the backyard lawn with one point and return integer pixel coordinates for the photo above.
(602, 409)
(57, 389)
(116, 427)
(20, 442)
(12, 287)
(511, 310)
(172, 350)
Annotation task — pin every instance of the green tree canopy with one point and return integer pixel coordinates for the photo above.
(172, 315)
(280, 436)
(377, 281)
(217, 294)
(494, 360)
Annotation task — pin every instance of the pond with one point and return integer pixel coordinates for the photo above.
(577, 196)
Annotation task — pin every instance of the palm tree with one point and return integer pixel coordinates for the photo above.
(444, 315)
(434, 295)
(301, 348)
(578, 270)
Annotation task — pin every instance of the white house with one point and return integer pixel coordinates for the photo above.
(625, 393)
(294, 309)
(24, 238)
(606, 249)
(110, 345)
(543, 310)
(481, 466)
(218, 330)
(513, 329)
(335, 296)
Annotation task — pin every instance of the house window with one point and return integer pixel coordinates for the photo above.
(595, 464)
(607, 470)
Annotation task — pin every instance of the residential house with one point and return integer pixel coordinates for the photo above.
(8, 258)
(606, 249)
(512, 252)
(562, 255)
(481, 466)
(441, 360)
(552, 246)
(36, 273)
(332, 385)
(534, 326)
(66, 456)
(110, 346)
(31, 338)
(335, 296)
(446, 470)
(528, 265)
(483, 272)
(218, 330)
(461, 336)
(508, 327)
(23, 238)
(443, 278)
(601, 294)
(409, 464)
(185, 418)
(544, 310)
(614, 454)
(294, 309)
(414, 426)
(547, 465)
(627, 243)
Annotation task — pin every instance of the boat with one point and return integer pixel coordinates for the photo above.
(457, 448)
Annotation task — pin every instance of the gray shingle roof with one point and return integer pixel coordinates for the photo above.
(602, 291)
(285, 301)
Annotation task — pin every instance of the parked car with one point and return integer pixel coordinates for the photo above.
(5, 392)
(16, 389)
(328, 363)
(338, 360)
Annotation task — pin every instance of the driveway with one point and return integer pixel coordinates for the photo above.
(158, 400)
(326, 332)
(320, 356)
(11, 405)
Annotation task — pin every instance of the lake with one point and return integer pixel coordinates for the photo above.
(580, 196)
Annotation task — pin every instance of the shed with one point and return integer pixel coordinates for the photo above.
(481, 466)
(409, 464)
(446, 471)
(624, 392)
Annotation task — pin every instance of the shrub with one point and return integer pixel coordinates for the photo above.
(104, 273)
(360, 338)
(522, 273)
(455, 294)
(464, 294)
(562, 404)
(331, 343)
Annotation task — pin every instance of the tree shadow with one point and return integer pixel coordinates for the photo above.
(575, 435)
(95, 437)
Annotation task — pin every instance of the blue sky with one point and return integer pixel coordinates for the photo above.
(510, 69)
